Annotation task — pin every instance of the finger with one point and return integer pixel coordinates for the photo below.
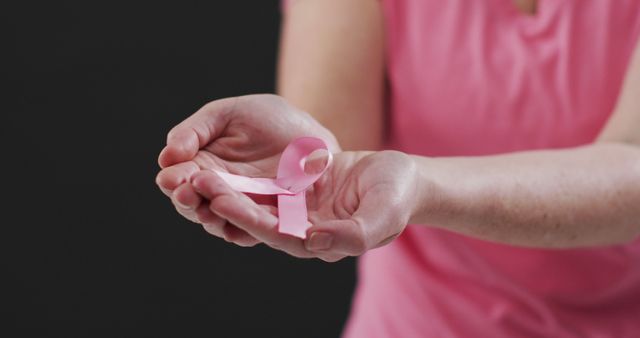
(168, 179)
(331, 257)
(187, 212)
(345, 237)
(219, 227)
(238, 236)
(232, 203)
(186, 197)
(198, 130)
(244, 213)
(211, 222)
(251, 223)
(376, 221)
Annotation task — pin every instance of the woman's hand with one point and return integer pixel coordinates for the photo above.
(363, 201)
(244, 136)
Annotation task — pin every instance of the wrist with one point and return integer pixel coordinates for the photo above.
(430, 196)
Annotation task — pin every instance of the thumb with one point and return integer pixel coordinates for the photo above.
(375, 223)
(182, 145)
(195, 132)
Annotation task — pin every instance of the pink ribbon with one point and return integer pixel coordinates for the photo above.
(290, 184)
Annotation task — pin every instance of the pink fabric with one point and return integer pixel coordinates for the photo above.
(477, 78)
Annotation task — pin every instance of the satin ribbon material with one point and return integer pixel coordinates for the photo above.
(290, 184)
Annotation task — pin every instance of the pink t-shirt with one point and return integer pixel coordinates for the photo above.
(477, 78)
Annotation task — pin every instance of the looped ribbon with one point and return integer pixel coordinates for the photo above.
(290, 184)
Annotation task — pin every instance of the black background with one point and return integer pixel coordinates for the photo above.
(89, 246)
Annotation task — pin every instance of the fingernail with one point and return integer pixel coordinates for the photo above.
(272, 221)
(319, 241)
(183, 206)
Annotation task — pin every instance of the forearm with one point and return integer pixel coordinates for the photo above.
(558, 198)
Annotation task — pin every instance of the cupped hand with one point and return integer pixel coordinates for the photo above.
(363, 201)
(242, 135)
